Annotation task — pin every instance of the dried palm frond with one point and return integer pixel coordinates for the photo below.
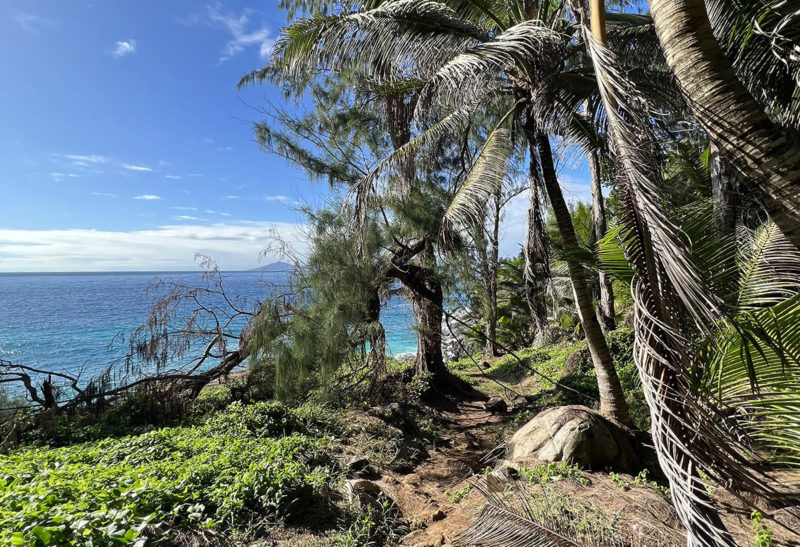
(537, 515)
(486, 177)
(689, 433)
(528, 48)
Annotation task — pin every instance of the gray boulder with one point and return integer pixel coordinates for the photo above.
(578, 435)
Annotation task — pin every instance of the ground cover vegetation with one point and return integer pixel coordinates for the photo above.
(669, 304)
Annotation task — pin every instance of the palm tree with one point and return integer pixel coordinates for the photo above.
(468, 54)
(678, 313)
(765, 154)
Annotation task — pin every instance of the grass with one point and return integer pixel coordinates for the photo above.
(554, 471)
(228, 469)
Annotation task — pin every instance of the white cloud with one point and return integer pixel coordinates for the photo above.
(244, 35)
(59, 177)
(131, 167)
(104, 194)
(148, 197)
(180, 208)
(173, 177)
(280, 199)
(84, 160)
(185, 217)
(230, 196)
(235, 246)
(123, 48)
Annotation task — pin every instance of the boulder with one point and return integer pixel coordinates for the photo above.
(496, 404)
(578, 435)
(578, 361)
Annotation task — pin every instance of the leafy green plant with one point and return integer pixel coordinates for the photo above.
(227, 469)
(457, 495)
(763, 535)
(554, 471)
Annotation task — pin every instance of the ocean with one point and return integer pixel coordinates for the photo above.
(66, 322)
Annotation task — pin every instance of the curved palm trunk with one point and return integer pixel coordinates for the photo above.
(535, 251)
(759, 150)
(612, 398)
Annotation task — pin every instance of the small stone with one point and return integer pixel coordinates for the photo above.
(496, 404)
(519, 403)
(357, 463)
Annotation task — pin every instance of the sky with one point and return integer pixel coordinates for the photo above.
(125, 144)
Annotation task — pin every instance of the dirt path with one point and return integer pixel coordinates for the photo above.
(422, 496)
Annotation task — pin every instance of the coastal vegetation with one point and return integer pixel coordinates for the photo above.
(631, 377)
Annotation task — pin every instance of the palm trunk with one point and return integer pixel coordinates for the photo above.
(605, 306)
(537, 267)
(492, 263)
(612, 398)
(757, 148)
(724, 186)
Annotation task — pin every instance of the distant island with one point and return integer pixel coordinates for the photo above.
(275, 267)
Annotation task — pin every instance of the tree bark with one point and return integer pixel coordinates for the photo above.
(760, 151)
(491, 280)
(537, 267)
(724, 187)
(605, 305)
(612, 398)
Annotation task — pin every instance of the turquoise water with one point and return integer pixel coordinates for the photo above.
(66, 322)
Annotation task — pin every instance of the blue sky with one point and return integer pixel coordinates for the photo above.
(125, 145)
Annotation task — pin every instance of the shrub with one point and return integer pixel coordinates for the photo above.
(132, 490)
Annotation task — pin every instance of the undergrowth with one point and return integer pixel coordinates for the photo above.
(228, 469)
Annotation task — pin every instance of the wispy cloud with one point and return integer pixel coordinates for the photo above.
(33, 23)
(278, 199)
(131, 167)
(230, 196)
(244, 33)
(59, 177)
(185, 217)
(173, 177)
(104, 195)
(123, 48)
(94, 159)
(180, 208)
(147, 197)
(236, 246)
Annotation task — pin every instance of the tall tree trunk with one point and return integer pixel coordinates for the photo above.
(612, 398)
(535, 250)
(764, 155)
(491, 281)
(724, 187)
(605, 306)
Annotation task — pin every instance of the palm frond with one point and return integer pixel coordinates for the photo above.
(407, 37)
(762, 41)
(688, 434)
(484, 179)
(528, 47)
(770, 268)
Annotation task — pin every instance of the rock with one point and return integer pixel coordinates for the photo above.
(496, 404)
(578, 361)
(360, 466)
(357, 463)
(455, 345)
(575, 434)
(406, 357)
(364, 493)
(501, 476)
(519, 403)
